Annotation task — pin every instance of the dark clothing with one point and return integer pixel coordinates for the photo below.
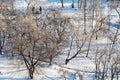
(33, 9)
(40, 9)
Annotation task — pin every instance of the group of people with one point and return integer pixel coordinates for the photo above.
(35, 11)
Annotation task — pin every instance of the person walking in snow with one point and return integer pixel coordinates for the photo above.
(40, 9)
(33, 9)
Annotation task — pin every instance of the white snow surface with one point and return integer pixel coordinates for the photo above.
(20, 4)
(14, 69)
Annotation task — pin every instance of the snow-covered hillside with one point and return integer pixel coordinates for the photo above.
(81, 67)
(14, 69)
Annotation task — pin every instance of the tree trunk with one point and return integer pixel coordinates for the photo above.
(78, 3)
(117, 75)
(85, 17)
(62, 3)
(31, 71)
(0, 51)
(50, 57)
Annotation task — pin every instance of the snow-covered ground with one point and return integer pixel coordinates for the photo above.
(14, 69)
(20, 4)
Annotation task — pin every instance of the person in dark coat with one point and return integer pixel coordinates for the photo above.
(33, 10)
(40, 9)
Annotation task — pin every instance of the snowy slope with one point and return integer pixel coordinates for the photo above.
(13, 69)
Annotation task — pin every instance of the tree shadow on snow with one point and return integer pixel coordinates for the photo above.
(14, 78)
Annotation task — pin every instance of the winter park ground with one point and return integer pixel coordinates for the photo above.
(81, 67)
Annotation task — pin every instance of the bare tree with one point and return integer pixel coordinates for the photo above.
(85, 17)
(3, 34)
(62, 3)
(101, 61)
(56, 26)
(26, 41)
(107, 62)
(5, 23)
(79, 50)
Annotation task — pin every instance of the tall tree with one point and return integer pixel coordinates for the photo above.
(62, 3)
(85, 17)
(26, 40)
